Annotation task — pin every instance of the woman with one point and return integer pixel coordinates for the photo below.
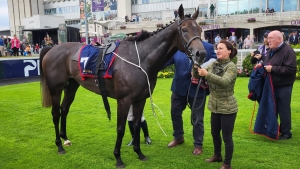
(49, 41)
(256, 57)
(15, 45)
(221, 77)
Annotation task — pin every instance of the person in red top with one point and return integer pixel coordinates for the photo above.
(37, 49)
(15, 45)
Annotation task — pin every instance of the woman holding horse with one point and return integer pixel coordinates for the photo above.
(221, 77)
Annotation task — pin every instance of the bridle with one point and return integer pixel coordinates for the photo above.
(188, 52)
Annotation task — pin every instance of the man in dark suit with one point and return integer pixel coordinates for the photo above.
(294, 38)
(183, 91)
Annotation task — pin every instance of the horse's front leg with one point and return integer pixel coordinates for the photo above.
(56, 117)
(137, 114)
(123, 109)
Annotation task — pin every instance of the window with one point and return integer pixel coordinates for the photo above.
(289, 5)
(243, 6)
(275, 5)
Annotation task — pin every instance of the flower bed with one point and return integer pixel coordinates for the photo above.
(251, 19)
(122, 27)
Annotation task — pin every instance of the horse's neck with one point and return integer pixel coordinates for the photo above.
(163, 47)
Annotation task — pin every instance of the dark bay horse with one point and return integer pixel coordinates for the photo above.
(128, 85)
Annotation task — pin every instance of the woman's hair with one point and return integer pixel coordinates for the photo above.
(230, 47)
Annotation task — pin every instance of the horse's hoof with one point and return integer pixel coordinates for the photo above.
(67, 143)
(61, 152)
(120, 166)
(143, 158)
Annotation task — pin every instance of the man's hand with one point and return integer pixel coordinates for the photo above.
(268, 68)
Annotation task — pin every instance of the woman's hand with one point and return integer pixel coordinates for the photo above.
(202, 72)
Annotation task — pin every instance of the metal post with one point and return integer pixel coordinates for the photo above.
(86, 24)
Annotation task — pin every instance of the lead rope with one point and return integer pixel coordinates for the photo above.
(151, 100)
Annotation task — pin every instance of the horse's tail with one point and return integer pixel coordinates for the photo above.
(46, 97)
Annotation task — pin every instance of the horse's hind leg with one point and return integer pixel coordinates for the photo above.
(69, 95)
(56, 96)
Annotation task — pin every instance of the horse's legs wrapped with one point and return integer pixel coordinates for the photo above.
(69, 95)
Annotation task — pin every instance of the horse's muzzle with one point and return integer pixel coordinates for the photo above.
(199, 57)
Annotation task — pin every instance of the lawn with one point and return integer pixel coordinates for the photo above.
(27, 134)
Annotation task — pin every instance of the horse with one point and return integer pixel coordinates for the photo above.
(128, 85)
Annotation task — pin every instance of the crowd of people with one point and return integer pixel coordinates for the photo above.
(13, 46)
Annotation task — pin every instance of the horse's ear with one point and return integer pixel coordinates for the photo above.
(195, 15)
(181, 12)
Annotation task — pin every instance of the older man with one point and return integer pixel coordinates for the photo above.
(281, 63)
(248, 42)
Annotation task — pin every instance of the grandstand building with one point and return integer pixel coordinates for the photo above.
(108, 16)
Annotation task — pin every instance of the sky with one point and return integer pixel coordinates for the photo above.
(4, 18)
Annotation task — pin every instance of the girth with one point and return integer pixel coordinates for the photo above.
(100, 68)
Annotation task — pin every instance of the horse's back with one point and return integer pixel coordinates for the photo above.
(56, 62)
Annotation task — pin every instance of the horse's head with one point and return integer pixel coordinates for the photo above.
(189, 40)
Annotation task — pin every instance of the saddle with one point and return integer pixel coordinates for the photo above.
(108, 48)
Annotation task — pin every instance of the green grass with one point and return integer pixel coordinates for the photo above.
(27, 134)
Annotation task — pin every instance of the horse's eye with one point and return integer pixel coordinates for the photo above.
(184, 30)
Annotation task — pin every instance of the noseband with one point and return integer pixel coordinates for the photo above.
(186, 45)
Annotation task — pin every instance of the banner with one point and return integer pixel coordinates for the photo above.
(97, 5)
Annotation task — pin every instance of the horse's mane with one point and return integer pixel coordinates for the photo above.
(145, 34)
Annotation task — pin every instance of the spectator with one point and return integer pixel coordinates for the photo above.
(22, 48)
(212, 10)
(1, 46)
(182, 95)
(44, 42)
(221, 76)
(127, 19)
(240, 42)
(15, 45)
(37, 48)
(175, 14)
(293, 38)
(233, 38)
(8, 47)
(27, 51)
(217, 40)
(144, 127)
(263, 49)
(248, 43)
(283, 69)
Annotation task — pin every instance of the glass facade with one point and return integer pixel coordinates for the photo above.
(289, 5)
(233, 7)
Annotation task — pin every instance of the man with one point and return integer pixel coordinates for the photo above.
(217, 40)
(263, 49)
(233, 38)
(1, 46)
(183, 90)
(44, 42)
(281, 63)
(294, 38)
(212, 10)
(248, 42)
(25, 41)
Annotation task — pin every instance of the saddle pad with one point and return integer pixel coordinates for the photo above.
(87, 61)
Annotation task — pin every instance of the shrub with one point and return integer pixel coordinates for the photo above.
(251, 19)
(202, 23)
